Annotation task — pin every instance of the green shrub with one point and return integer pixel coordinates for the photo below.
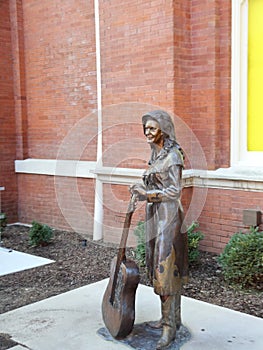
(2, 225)
(194, 238)
(3, 221)
(140, 248)
(40, 234)
(242, 259)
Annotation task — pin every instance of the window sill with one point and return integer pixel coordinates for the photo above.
(236, 178)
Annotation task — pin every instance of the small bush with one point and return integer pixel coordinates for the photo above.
(40, 234)
(242, 259)
(194, 238)
(3, 221)
(140, 248)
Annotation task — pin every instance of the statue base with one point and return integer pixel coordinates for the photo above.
(144, 337)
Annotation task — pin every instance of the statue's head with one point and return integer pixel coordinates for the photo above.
(163, 119)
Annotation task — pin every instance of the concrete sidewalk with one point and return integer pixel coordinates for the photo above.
(13, 261)
(70, 321)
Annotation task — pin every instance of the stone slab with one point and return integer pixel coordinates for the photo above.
(13, 261)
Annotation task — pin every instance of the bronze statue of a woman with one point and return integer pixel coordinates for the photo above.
(166, 244)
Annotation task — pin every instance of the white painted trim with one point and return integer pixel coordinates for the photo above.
(234, 178)
(98, 205)
(98, 211)
(240, 156)
(73, 168)
(56, 167)
(237, 178)
(238, 78)
(98, 77)
(121, 176)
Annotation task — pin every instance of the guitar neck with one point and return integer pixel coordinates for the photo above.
(124, 236)
(121, 252)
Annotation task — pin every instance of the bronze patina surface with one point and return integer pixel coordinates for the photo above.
(144, 337)
(166, 244)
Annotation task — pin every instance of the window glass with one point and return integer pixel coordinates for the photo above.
(255, 76)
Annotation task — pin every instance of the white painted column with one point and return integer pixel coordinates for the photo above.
(98, 205)
(1, 189)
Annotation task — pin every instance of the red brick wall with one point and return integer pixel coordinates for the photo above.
(222, 216)
(182, 52)
(137, 46)
(169, 54)
(61, 202)
(60, 94)
(19, 80)
(175, 55)
(60, 74)
(116, 200)
(139, 60)
(7, 119)
(210, 78)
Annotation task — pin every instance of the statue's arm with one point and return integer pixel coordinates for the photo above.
(170, 192)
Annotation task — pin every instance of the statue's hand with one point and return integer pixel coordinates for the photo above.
(139, 191)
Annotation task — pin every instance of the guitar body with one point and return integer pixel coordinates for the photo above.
(119, 313)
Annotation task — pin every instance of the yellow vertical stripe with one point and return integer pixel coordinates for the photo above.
(255, 75)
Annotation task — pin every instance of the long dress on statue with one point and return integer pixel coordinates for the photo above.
(166, 245)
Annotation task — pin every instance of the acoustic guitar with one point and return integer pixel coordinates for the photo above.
(118, 305)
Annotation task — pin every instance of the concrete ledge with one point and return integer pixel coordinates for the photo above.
(233, 178)
(55, 167)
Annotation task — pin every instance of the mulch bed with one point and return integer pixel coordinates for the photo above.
(77, 264)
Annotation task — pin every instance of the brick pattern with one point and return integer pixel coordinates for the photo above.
(61, 75)
(171, 54)
(116, 200)
(72, 207)
(123, 139)
(192, 42)
(7, 119)
(185, 43)
(66, 203)
(19, 78)
(137, 47)
(210, 78)
(222, 216)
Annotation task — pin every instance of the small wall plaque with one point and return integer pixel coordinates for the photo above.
(251, 217)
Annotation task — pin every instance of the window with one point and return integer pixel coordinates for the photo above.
(247, 79)
(255, 76)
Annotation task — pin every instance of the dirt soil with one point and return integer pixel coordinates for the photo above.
(79, 263)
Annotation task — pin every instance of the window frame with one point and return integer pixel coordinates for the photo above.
(240, 156)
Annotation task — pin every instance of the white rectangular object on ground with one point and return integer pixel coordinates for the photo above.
(12, 261)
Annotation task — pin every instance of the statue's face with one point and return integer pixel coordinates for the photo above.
(153, 133)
